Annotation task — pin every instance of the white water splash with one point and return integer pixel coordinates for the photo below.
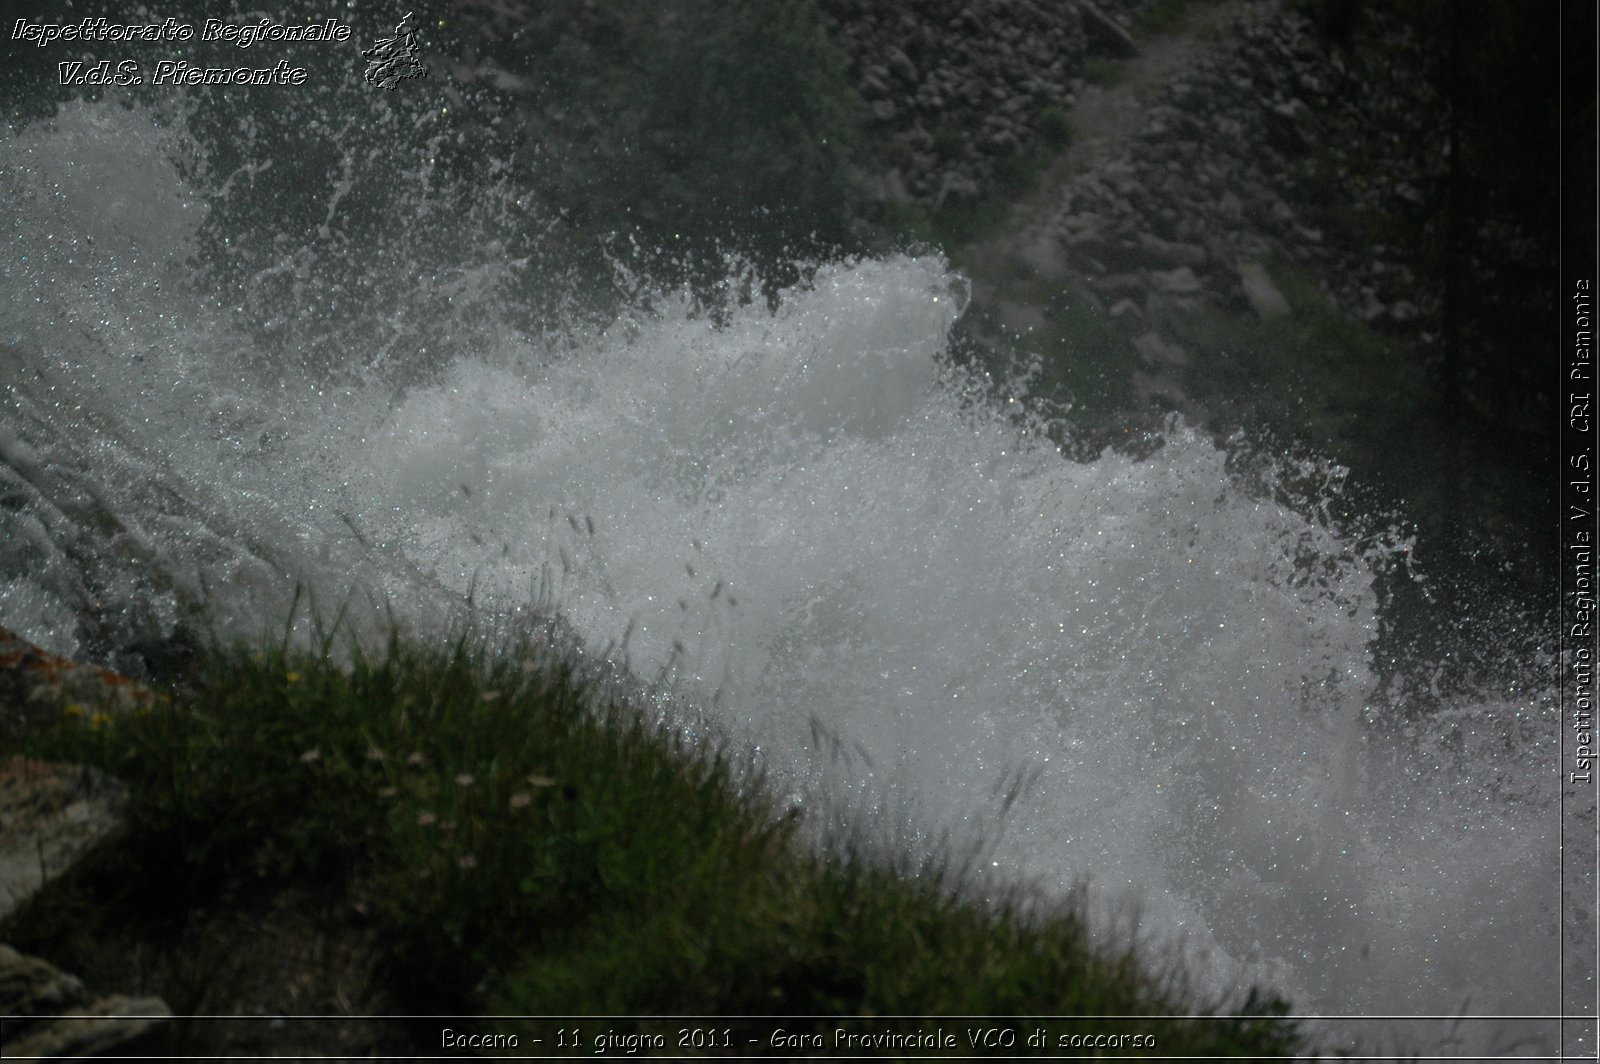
(1137, 671)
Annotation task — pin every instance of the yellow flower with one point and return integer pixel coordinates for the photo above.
(99, 720)
(72, 709)
(292, 677)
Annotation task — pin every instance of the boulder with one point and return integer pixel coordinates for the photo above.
(1042, 254)
(1171, 253)
(49, 1013)
(1159, 352)
(1263, 295)
(34, 681)
(1179, 282)
(1019, 317)
(1119, 286)
(50, 815)
(902, 65)
(894, 187)
(956, 187)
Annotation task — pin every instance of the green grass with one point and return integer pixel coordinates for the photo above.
(467, 830)
(1317, 376)
(954, 225)
(1098, 70)
(1161, 16)
(1055, 128)
(1083, 363)
(1087, 358)
(957, 224)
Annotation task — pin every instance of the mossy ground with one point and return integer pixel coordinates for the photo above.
(465, 831)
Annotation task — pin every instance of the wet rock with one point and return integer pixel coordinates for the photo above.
(1179, 282)
(1019, 317)
(956, 188)
(1112, 254)
(1003, 142)
(34, 681)
(1158, 388)
(1043, 256)
(902, 65)
(1284, 127)
(49, 1013)
(1262, 294)
(52, 813)
(1171, 253)
(1404, 312)
(1370, 308)
(1158, 351)
(1117, 286)
(894, 187)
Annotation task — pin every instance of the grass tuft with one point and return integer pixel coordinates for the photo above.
(1162, 16)
(502, 836)
(1106, 73)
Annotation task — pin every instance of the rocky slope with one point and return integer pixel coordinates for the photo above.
(955, 88)
(1238, 229)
